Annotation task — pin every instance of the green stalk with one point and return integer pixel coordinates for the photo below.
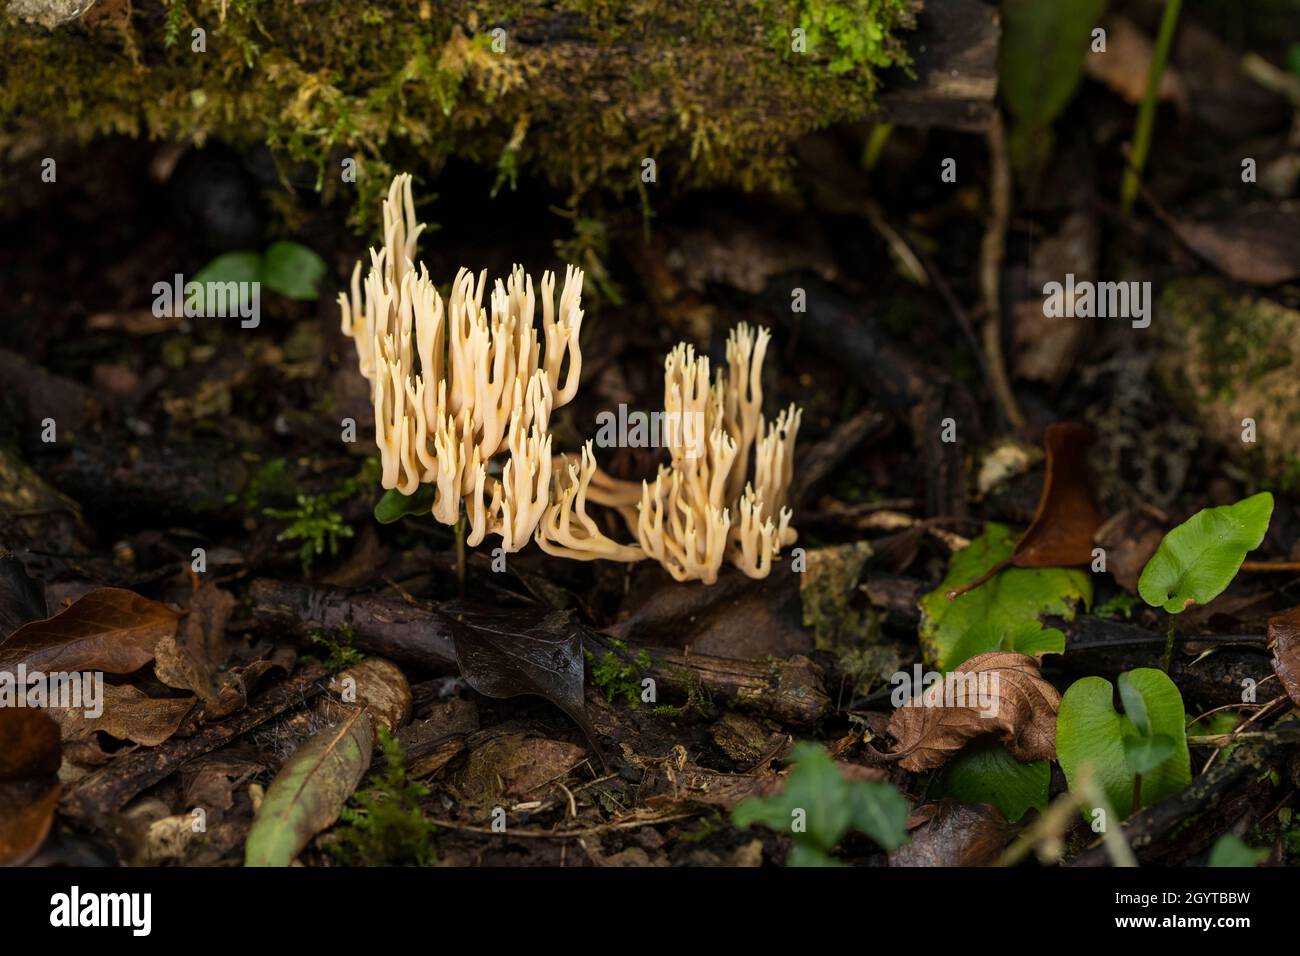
(1147, 114)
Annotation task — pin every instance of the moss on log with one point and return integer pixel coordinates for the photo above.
(581, 91)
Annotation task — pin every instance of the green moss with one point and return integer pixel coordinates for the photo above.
(619, 673)
(334, 650)
(386, 826)
(583, 91)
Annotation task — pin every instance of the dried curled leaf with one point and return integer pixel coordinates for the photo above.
(1016, 704)
(1284, 642)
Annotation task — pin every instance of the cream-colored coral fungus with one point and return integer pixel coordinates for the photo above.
(454, 384)
(703, 507)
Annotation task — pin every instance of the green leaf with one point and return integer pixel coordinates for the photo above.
(243, 268)
(986, 773)
(880, 812)
(292, 270)
(1199, 558)
(1012, 599)
(1089, 732)
(310, 791)
(1144, 754)
(1040, 61)
(1230, 851)
(1134, 705)
(1027, 637)
(818, 807)
(394, 505)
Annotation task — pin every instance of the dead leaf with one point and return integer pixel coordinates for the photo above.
(128, 714)
(188, 659)
(1129, 539)
(505, 653)
(949, 833)
(29, 785)
(309, 792)
(1066, 520)
(1257, 243)
(1020, 709)
(514, 765)
(108, 629)
(1284, 642)
(1126, 62)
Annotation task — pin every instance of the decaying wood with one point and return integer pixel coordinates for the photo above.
(99, 795)
(789, 690)
(411, 633)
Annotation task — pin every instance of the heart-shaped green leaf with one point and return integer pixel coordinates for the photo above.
(1200, 557)
(1089, 732)
(1026, 637)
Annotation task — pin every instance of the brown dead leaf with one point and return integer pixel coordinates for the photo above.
(188, 659)
(517, 766)
(1258, 243)
(1127, 61)
(1284, 642)
(1061, 532)
(1066, 520)
(1021, 710)
(108, 629)
(29, 785)
(949, 833)
(128, 714)
(1129, 539)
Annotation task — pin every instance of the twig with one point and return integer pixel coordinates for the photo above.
(991, 254)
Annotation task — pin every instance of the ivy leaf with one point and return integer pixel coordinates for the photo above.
(292, 270)
(880, 812)
(1230, 851)
(1011, 599)
(1090, 732)
(1198, 559)
(394, 505)
(985, 772)
(828, 806)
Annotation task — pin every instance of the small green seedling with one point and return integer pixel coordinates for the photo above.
(1197, 560)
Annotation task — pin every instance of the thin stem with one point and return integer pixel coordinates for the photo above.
(1168, 660)
(1147, 114)
(459, 532)
(1137, 792)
